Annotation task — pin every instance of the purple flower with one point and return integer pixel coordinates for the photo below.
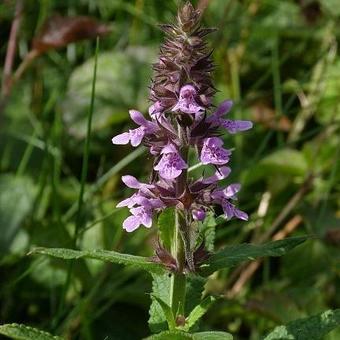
(222, 197)
(171, 164)
(213, 153)
(135, 136)
(229, 192)
(232, 126)
(140, 216)
(231, 211)
(133, 183)
(221, 173)
(187, 102)
(198, 214)
(155, 110)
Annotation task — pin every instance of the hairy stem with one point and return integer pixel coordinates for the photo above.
(180, 248)
(178, 279)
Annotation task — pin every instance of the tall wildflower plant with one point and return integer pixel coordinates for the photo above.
(182, 118)
(183, 122)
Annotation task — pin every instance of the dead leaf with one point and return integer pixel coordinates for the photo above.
(59, 31)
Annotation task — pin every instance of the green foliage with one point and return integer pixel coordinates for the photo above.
(102, 255)
(233, 255)
(166, 223)
(276, 163)
(22, 332)
(198, 312)
(130, 69)
(16, 201)
(167, 311)
(178, 335)
(314, 327)
(161, 289)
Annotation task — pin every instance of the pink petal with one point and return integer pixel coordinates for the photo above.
(138, 117)
(131, 182)
(223, 108)
(169, 148)
(169, 172)
(231, 190)
(131, 223)
(241, 214)
(128, 202)
(136, 136)
(123, 138)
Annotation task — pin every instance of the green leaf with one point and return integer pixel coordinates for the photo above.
(22, 332)
(212, 336)
(16, 200)
(166, 223)
(207, 232)
(233, 255)
(161, 289)
(167, 312)
(102, 255)
(171, 335)
(130, 69)
(179, 335)
(314, 327)
(198, 312)
(194, 290)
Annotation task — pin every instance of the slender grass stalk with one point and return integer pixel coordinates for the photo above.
(79, 219)
(86, 150)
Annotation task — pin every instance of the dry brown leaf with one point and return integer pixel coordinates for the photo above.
(59, 31)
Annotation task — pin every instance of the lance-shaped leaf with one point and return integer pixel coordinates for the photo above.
(22, 332)
(198, 312)
(179, 335)
(314, 327)
(167, 312)
(233, 255)
(103, 255)
(160, 288)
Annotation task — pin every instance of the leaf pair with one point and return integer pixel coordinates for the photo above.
(225, 258)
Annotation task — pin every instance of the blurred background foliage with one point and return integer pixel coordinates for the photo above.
(278, 60)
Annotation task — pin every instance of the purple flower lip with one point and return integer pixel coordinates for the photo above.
(135, 136)
(187, 102)
(213, 153)
(171, 163)
(232, 126)
(140, 216)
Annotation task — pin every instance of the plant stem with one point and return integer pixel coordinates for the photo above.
(178, 279)
(178, 247)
